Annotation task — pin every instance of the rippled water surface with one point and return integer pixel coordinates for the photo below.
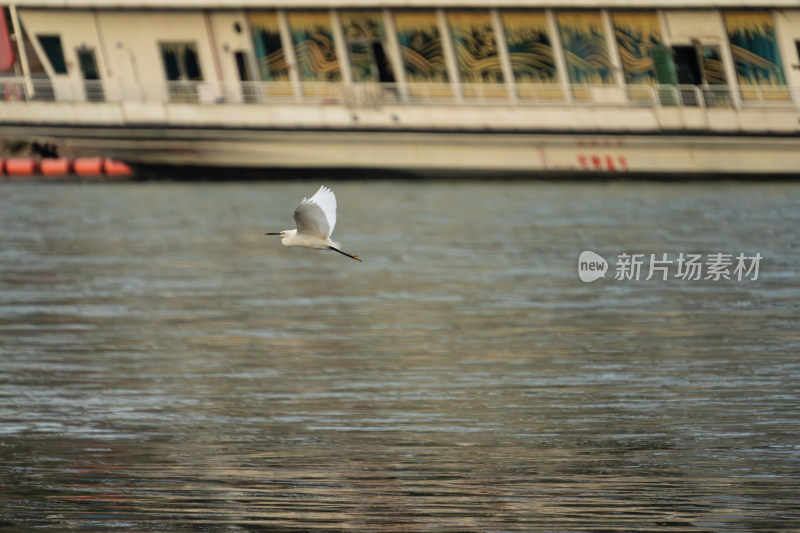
(164, 366)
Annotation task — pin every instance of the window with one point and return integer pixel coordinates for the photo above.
(182, 69)
(181, 62)
(54, 51)
(91, 75)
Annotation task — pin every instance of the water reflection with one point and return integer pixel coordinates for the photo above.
(163, 366)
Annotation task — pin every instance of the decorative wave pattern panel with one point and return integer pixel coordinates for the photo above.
(584, 43)
(313, 45)
(530, 47)
(754, 48)
(475, 47)
(421, 47)
(272, 64)
(637, 35)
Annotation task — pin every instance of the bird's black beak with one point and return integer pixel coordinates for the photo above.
(273, 234)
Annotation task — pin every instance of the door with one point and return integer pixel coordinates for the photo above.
(249, 88)
(92, 85)
(688, 70)
(385, 74)
(687, 65)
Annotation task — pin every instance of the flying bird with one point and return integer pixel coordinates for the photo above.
(315, 218)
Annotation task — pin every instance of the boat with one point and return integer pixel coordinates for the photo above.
(538, 87)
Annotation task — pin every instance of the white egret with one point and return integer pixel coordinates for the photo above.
(315, 218)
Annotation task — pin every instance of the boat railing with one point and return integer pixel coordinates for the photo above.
(376, 95)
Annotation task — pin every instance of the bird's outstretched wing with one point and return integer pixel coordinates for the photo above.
(317, 215)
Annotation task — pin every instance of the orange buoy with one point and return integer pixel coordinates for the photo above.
(88, 166)
(55, 166)
(21, 167)
(116, 168)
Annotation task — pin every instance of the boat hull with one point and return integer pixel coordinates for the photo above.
(421, 151)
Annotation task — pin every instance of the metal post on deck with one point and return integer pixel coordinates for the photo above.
(221, 92)
(23, 54)
(728, 63)
(341, 47)
(560, 57)
(450, 55)
(287, 43)
(101, 51)
(505, 57)
(398, 67)
(613, 50)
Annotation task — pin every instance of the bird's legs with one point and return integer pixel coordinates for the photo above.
(345, 253)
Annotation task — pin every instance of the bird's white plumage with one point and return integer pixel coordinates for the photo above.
(315, 218)
(317, 215)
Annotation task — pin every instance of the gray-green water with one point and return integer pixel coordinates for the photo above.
(166, 367)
